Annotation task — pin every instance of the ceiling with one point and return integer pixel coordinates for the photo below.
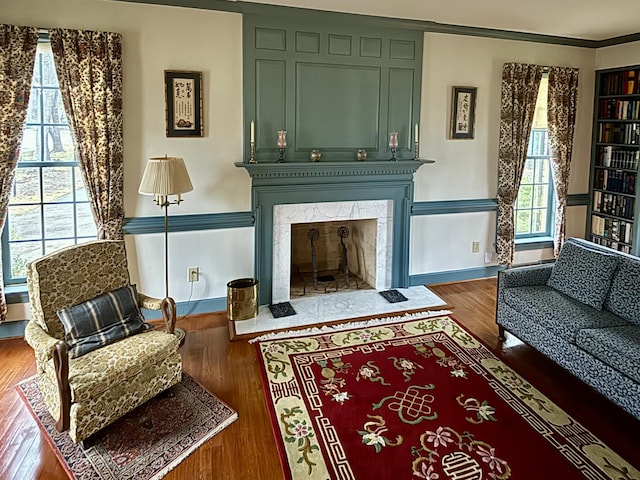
(583, 19)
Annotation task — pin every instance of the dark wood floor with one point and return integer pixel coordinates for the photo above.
(246, 449)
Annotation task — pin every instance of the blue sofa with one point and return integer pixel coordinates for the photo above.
(583, 312)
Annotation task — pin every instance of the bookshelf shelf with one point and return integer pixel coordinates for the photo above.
(615, 158)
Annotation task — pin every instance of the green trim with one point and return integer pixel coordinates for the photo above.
(388, 22)
(454, 275)
(189, 223)
(276, 174)
(13, 329)
(454, 206)
(578, 199)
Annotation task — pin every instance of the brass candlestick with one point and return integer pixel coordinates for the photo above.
(416, 146)
(252, 152)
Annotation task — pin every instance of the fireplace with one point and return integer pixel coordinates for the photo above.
(284, 194)
(379, 242)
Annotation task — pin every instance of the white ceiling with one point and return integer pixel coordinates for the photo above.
(585, 19)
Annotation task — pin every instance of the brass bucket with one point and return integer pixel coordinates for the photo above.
(242, 299)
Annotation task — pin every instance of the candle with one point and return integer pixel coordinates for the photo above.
(253, 132)
(416, 135)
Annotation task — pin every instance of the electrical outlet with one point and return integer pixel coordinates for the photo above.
(475, 247)
(488, 257)
(193, 274)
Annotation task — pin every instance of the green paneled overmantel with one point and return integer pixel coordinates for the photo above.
(336, 87)
(330, 172)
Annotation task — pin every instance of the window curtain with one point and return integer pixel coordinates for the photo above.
(17, 58)
(561, 118)
(89, 68)
(520, 84)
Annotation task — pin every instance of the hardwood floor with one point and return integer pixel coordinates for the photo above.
(246, 449)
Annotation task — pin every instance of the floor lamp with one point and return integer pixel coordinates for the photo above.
(164, 177)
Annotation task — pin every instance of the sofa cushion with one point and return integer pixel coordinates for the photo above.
(624, 294)
(583, 273)
(618, 347)
(102, 320)
(558, 312)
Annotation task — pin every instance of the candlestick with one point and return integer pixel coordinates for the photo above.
(417, 147)
(282, 144)
(393, 144)
(252, 152)
(252, 136)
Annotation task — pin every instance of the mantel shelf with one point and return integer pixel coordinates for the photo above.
(274, 170)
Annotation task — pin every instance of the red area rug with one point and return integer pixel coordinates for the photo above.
(146, 443)
(421, 398)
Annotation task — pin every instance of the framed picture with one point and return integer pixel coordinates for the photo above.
(183, 97)
(463, 112)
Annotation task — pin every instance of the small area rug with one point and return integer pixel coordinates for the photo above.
(146, 443)
(419, 398)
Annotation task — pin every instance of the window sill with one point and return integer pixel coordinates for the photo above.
(533, 243)
(16, 293)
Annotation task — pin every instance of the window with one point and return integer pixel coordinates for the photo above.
(48, 206)
(535, 204)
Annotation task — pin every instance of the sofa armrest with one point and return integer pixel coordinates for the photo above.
(41, 342)
(530, 275)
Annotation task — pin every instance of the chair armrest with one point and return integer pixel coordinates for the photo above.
(41, 342)
(150, 303)
(47, 347)
(527, 276)
(60, 354)
(167, 306)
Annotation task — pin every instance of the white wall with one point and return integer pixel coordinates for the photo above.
(158, 38)
(618, 56)
(467, 169)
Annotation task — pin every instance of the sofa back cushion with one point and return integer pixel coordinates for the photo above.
(583, 273)
(624, 295)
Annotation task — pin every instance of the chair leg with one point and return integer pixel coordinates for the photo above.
(61, 364)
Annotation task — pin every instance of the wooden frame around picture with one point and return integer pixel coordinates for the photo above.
(463, 113)
(183, 100)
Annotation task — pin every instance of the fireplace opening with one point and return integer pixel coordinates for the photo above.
(332, 256)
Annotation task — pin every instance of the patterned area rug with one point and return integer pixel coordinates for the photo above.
(146, 443)
(421, 398)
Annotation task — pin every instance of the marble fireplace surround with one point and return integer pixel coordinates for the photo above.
(286, 215)
(283, 192)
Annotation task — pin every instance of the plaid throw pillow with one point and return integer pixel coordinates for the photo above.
(102, 320)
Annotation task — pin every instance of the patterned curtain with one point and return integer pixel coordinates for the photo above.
(89, 67)
(520, 83)
(17, 58)
(561, 117)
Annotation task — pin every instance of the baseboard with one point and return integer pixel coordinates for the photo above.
(453, 275)
(12, 329)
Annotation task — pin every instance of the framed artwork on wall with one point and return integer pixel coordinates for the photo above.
(463, 112)
(183, 97)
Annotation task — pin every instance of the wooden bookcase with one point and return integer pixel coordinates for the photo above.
(615, 155)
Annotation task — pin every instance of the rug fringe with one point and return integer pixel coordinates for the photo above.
(349, 325)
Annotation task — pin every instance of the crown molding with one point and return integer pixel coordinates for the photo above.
(424, 25)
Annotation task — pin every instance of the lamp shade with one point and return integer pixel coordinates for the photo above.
(165, 176)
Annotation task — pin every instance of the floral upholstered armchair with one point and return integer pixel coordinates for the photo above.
(96, 359)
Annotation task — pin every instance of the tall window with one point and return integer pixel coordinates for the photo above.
(534, 207)
(48, 207)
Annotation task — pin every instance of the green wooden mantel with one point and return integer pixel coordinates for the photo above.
(318, 182)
